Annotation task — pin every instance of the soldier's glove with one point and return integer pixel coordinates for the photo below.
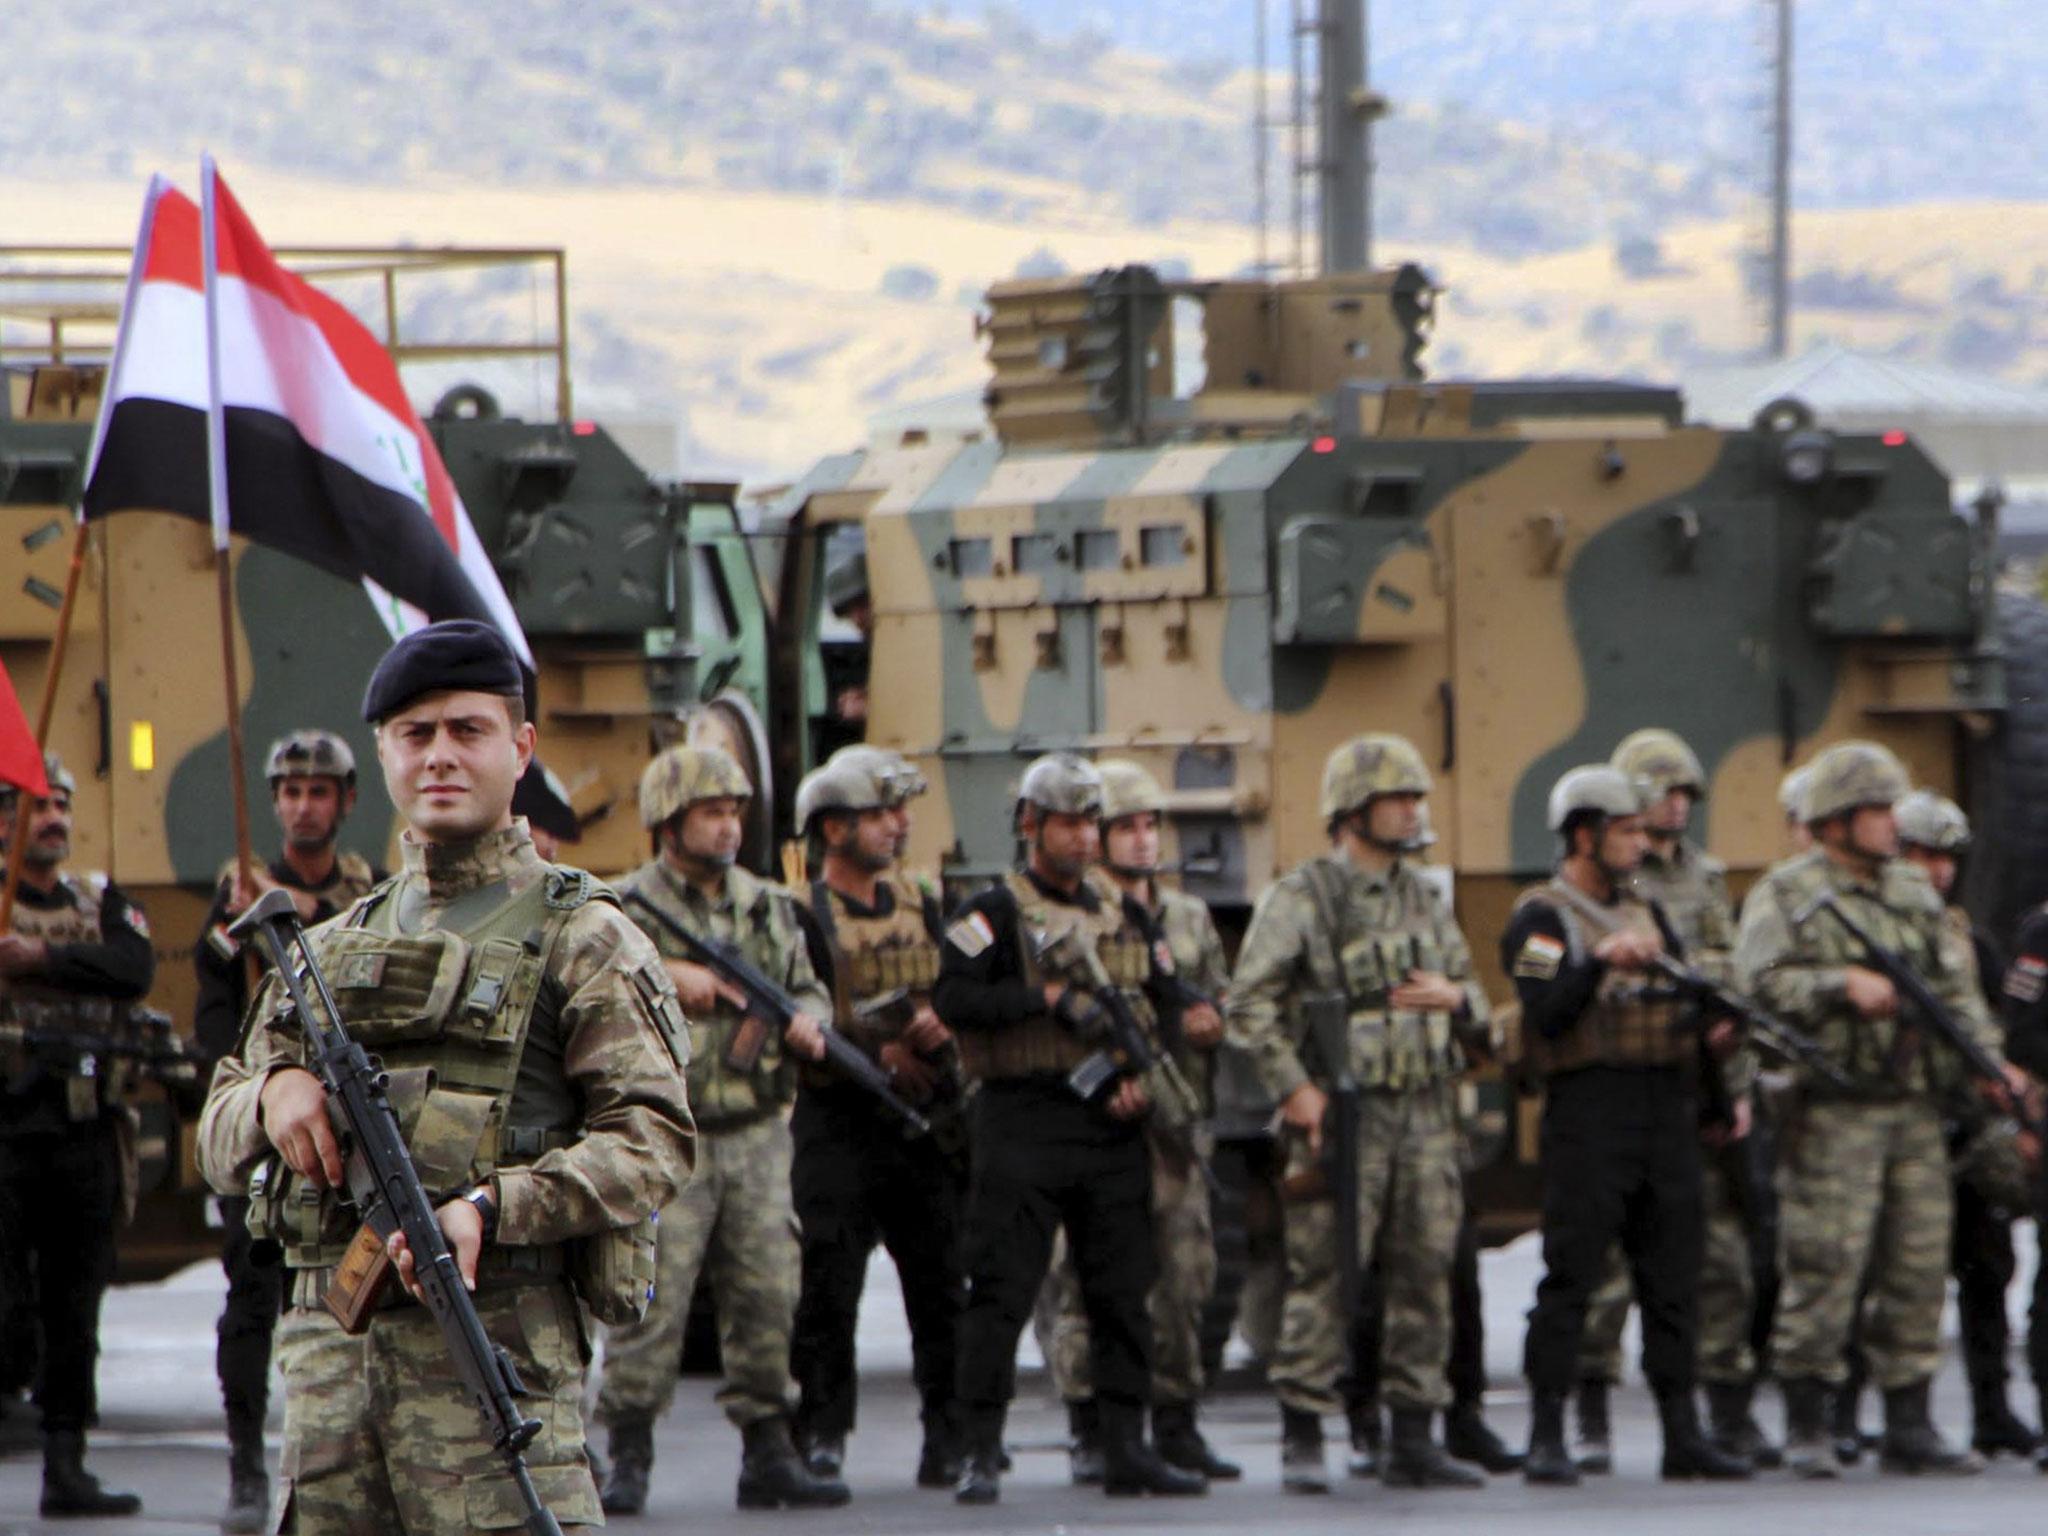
(1081, 1014)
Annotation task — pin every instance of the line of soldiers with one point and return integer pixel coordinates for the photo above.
(613, 1093)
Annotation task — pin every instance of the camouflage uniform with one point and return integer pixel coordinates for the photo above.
(379, 1433)
(1184, 1238)
(1410, 1193)
(735, 1216)
(1864, 1180)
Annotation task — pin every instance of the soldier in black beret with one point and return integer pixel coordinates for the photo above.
(456, 655)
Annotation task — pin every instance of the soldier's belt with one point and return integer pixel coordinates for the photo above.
(498, 1267)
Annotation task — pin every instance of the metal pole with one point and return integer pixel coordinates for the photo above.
(1261, 156)
(1300, 126)
(1781, 189)
(1343, 155)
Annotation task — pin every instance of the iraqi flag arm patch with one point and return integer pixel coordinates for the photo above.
(1539, 957)
(2027, 979)
(971, 934)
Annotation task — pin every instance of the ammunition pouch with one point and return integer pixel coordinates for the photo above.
(614, 1271)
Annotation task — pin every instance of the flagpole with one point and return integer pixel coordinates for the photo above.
(217, 496)
(46, 708)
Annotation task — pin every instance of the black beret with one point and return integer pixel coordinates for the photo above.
(457, 655)
(544, 801)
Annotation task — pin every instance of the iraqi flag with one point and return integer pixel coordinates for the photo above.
(317, 452)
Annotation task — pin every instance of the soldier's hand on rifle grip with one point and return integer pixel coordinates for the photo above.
(1724, 1037)
(463, 1225)
(926, 1033)
(910, 1072)
(1628, 949)
(1870, 992)
(293, 1108)
(1130, 1101)
(696, 985)
(21, 955)
(1741, 1119)
(1428, 992)
(805, 1037)
(1303, 1111)
(1202, 1026)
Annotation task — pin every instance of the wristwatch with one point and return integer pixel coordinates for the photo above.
(487, 1207)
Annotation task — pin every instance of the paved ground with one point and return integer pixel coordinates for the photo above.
(163, 1437)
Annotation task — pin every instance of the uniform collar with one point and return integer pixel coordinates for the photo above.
(453, 869)
(1084, 896)
(63, 894)
(738, 892)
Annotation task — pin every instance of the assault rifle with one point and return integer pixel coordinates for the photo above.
(1126, 1051)
(948, 1114)
(1927, 1010)
(149, 1040)
(1791, 1045)
(385, 1187)
(771, 1007)
(1327, 1017)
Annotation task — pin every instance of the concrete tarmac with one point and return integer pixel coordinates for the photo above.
(162, 1437)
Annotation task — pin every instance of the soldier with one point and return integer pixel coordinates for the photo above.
(1132, 808)
(78, 950)
(874, 936)
(1864, 1184)
(312, 778)
(1045, 1159)
(734, 1221)
(1935, 835)
(1621, 1118)
(534, 1036)
(2024, 1005)
(1691, 887)
(1358, 929)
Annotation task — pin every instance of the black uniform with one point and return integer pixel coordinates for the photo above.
(1620, 1157)
(856, 1180)
(1042, 1158)
(2024, 1003)
(255, 1298)
(61, 1147)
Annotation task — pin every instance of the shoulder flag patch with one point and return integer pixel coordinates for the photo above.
(1539, 957)
(972, 934)
(2027, 979)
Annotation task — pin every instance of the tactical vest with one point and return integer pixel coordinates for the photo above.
(1691, 891)
(874, 955)
(1904, 915)
(1622, 1026)
(1039, 1043)
(1373, 934)
(89, 1083)
(722, 1096)
(449, 1013)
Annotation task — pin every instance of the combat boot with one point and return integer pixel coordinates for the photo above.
(1181, 1444)
(981, 1469)
(1994, 1427)
(1731, 1422)
(1415, 1460)
(68, 1489)
(773, 1476)
(1469, 1437)
(938, 1462)
(826, 1456)
(1851, 1440)
(1131, 1468)
(1810, 1450)
(1548, 1463)
(1688, 1454)
(1594, 1448)
(248, 1510)
(632, 1453)
(1911, 1442)
(1084, 1443)
(1301, 1452)
(1366, 1435)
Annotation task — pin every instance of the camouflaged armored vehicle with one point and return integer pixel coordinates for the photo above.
(1215, 527)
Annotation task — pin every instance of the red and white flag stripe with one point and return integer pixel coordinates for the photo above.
(324, 456)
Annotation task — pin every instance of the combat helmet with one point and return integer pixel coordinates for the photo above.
(1599, 788)
(856, 778)
(1128, 790)
(310, 754)
(1061, 782)
(683, 775)
(1367, 766)
(1662, 760)
(1853, 773)
(846, 584)
(1928, 820)
(1792, 793)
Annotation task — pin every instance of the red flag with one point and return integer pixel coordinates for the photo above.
(326, 458)
(21, 762)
